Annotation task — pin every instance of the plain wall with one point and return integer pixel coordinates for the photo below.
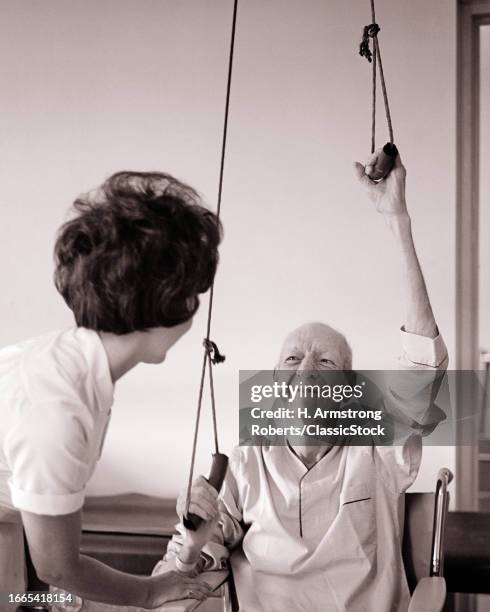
(95, 86)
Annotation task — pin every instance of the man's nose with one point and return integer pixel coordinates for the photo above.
(307, 368)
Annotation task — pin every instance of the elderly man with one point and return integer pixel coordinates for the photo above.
(320, 526)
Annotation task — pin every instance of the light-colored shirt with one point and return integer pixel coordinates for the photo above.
(56, 395)
(326, 538)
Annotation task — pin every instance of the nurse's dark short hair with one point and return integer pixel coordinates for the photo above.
(137, 254)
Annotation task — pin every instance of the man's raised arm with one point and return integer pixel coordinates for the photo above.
(410, 397)
(389, 198)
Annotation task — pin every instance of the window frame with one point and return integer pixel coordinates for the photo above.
(472, 14)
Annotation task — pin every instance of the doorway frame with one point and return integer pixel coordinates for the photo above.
(471, 15)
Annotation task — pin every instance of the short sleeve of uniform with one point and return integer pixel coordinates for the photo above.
(47, 454)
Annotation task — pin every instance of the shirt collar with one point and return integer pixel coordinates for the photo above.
(98, 365)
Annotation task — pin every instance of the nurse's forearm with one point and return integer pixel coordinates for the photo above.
(54, 543)
(419, 316)
(91, 579)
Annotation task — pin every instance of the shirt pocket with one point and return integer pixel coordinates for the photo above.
(358, 518)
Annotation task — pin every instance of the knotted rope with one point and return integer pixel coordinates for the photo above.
(212, 354)
(371, 31)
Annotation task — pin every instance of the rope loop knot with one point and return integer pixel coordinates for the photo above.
(213, 351)
(372, 30)
(369, 31)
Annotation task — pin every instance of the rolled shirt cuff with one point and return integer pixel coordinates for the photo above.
(50, 504)
(423, 350)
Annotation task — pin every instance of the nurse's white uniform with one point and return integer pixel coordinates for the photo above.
(327, 538)
(56, 395)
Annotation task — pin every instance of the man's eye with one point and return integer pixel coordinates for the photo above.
(326, 361)
(292, 358)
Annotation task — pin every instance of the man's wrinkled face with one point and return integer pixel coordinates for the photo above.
(314, 354)
(314, 347)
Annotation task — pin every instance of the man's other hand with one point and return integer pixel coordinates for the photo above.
(204, 503)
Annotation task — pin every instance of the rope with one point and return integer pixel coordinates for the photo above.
(383, 88)
(374, 57)
(373, 106)
(212, 355)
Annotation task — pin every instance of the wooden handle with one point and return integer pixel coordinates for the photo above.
(384, 163)
(216, 478)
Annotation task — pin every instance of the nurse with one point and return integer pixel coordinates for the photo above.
(130, 264)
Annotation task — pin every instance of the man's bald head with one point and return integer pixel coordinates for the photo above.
(315, 346)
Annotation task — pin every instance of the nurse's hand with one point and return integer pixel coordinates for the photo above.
(173, 586)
